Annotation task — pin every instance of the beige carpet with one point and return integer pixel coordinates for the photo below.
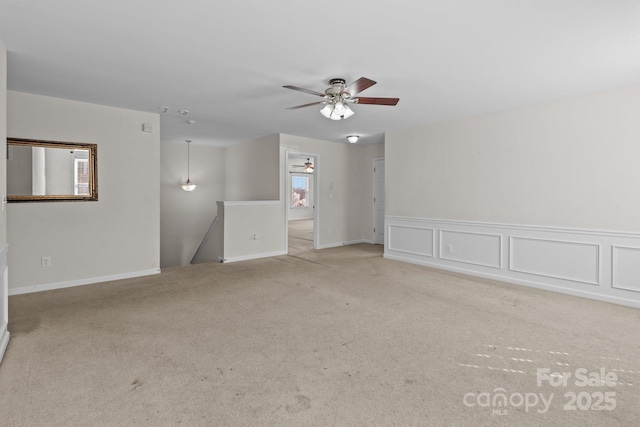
(334, 337)
(300, 236)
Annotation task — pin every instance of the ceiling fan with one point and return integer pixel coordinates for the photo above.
(308, 166)
(338, 96)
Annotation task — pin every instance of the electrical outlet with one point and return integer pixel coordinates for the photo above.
(46, 261)
(448, 249)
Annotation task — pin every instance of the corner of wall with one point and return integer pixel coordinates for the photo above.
(3, 142)
(4, 275)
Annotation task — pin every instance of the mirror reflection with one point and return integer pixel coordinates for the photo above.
(47, 170)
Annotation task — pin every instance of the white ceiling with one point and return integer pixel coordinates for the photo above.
(226, 61)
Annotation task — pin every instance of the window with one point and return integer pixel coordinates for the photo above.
(299, 191)
(81, 177)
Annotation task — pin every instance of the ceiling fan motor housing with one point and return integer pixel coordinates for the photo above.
(337, 89)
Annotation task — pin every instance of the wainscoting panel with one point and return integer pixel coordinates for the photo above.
(579, 262)
(471, 248)
(603, 265)
(411, 240)
(626, 268)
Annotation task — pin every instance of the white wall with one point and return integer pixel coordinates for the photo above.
(117, 236)
(571, 163)
(252, 170)
(253, 229)
(4, 291)
(3, 141)
(185, 217)
(344, 187)
(545, 196)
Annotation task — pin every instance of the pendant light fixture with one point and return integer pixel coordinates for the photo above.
(188, 186)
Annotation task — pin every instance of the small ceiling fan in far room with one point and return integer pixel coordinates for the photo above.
(308, 166)
(338, 97)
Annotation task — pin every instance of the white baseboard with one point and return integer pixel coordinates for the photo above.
(594, 264)
(80, 282)
(338, 244)
(4, 342)
(584, 294)
(252, 256)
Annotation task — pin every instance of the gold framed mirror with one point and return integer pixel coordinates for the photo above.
(41, 171)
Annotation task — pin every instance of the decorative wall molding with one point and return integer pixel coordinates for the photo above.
(81, 282)
(625, 271)
(413, 240)
(486, 248)
(540, 257)
(594, 264)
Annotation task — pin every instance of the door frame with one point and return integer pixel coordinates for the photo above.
(316, 197)
(373, 187)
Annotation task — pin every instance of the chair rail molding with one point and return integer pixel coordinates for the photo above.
(597, 264)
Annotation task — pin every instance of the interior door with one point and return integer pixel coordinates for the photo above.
(378, 201)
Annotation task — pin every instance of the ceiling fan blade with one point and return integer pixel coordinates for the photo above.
(304, 105)
(378, 101)
(301, 89)
(359, 85)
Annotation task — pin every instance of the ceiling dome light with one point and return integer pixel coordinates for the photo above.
(353, 138)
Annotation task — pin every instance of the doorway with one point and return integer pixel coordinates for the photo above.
(378, 201)
(301, 204)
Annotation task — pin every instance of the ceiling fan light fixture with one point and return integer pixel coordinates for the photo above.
(327, 110)
(337, 111)
(308, 166)
(353, 138)
(339, 108)
(348, 112)
(337, 97)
